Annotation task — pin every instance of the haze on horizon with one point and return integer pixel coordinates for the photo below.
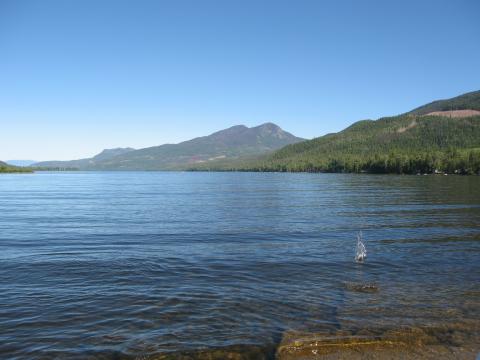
(81, 76)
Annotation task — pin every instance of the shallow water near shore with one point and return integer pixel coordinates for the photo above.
(149, 264)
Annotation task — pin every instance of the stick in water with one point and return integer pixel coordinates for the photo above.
(361, 252)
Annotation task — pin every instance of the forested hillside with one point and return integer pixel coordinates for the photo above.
(404, 144)
(5, 168)
(468, 101)
(409, 143)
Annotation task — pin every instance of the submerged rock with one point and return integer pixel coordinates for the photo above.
(361, 287)
(456, 341)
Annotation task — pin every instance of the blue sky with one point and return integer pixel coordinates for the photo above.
(80, 76)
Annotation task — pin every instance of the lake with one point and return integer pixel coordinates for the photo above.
(131, 264)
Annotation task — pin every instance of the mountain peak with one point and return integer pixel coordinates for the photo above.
(269, 125)
(272, 130)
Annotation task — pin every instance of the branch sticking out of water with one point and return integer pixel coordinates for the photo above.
(361, 251)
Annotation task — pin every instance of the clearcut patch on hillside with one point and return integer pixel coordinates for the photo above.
(454, 113)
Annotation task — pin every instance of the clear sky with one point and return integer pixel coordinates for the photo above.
(80, 76)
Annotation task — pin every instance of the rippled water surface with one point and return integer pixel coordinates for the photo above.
(139, 263)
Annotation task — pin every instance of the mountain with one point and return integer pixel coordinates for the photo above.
(443, 136)
(84, 163)
(237, 142)
(232, 144)
(20, 162)
(409, 143)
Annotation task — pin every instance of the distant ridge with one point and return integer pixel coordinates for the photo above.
(232, 144)
(84, 163)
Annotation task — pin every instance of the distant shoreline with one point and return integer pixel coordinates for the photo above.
(247, 171)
